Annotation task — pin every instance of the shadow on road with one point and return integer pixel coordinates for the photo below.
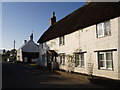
(17, 75)
(105, 82)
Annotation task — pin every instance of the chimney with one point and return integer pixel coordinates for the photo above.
(25, 41)
(88, 1)
(53, 19)
(31, 37)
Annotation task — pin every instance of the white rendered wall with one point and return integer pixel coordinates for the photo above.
(19, 53)
(119, 47)
(90, 43)
(86, 40)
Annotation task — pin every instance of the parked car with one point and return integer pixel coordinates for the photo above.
(10, 60)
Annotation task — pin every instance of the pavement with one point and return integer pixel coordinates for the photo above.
(17, 75)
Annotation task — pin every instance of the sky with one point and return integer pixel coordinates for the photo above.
(19, 19)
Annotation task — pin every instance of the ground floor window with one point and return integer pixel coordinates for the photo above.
(62, 58)
(79, 59)
(105, 60)
(43, 58)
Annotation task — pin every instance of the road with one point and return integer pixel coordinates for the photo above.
(16, 75)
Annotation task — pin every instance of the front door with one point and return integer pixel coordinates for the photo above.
(29, 60)
(51, 59)
(25, 59)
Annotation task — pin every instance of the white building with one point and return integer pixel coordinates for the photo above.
(28, 52)
(86, 41)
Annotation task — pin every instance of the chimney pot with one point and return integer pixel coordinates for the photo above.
(31, 37)
(88, 1)
(53, 19)
(25, 41)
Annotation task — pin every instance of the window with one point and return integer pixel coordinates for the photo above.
(43, 58)
(79, 60)
(61, 40)
(105, 60)
(103, 29)
(41, 45)
(62, 59)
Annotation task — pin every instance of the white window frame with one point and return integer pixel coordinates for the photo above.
(61, 40)
(62, 58)
(102, 27)
(105, 60)
(80, 60)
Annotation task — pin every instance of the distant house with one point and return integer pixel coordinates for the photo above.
(1, 51)
(85, 41)
(28, 52)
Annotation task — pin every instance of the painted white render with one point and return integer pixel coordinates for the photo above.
(86, 40)
(119, 47)
(90, 43)
(19, 55)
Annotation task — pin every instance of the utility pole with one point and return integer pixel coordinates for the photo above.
(14, 50)
(14, 44)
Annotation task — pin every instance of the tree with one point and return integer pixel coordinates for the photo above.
(13, 53)
(9, 54)
(6, 55)
(4, 51)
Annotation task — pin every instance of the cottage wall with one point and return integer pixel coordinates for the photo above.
(110, 42)
(90, 43)
(86, 40)
(19, 55)
(119, 47)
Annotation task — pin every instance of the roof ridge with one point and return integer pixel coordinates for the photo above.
(81, 18)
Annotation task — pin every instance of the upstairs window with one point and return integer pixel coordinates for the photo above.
(103, 29)
(61, 40)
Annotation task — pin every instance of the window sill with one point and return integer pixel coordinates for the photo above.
(106, 69)
(62, 64)
(79, 66)
(61, 45)
(103, 36)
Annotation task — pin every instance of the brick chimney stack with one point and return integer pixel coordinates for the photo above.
(25, 41)
(88, 1)
(31, 37)
(53, 19)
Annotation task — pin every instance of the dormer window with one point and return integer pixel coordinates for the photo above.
(61, 41)
(103, 29)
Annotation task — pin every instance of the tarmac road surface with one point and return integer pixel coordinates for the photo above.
(17, 75)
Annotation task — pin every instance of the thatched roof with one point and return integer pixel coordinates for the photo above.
(87, 15)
